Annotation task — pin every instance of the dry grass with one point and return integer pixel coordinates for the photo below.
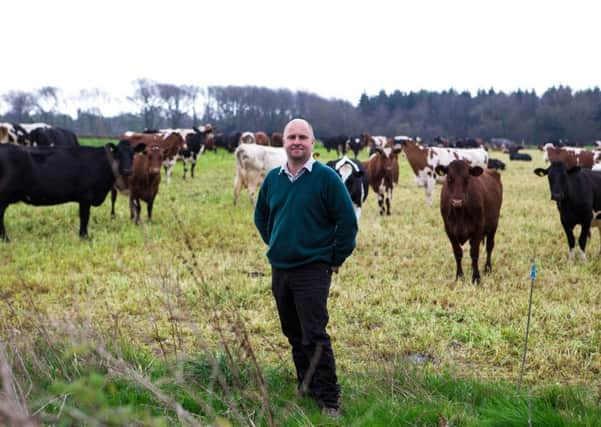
(395, 296)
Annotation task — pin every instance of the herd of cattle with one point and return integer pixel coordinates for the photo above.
(45, 165)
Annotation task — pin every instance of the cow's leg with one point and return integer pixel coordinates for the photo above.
(135, 208)
(113, 198)
(584, 233)
(458, 252)
(475, 254)
(237, 187)
(430, 183)
(490, 244)
(569, 230)
(185, 167)
(388, 199)
(84, 217)
(132, 208)
(381, 191)
(3, 234)
(149, 205)
(252, 189)
(192, 168)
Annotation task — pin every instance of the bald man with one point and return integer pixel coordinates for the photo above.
(305, 215)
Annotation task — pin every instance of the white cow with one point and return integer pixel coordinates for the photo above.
(252, 164)
(424, 160)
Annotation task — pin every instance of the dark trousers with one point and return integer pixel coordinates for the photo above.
(301, 295)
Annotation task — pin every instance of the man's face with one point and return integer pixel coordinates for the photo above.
(298, 141)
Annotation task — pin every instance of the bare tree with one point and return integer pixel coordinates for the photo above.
(46, 101)
(176, 99)
(194, 93)
(146, 98)
(21, 105)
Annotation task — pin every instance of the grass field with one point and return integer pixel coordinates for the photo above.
(161, 286)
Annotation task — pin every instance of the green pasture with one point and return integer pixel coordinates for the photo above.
(394, 301)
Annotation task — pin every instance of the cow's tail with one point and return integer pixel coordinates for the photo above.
(241, 159)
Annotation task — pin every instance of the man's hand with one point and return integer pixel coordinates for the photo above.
(334, 268)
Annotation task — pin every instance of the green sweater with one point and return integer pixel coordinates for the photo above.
(306, 221)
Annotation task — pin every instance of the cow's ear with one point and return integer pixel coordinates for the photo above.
(541, 171)
(139, 148)
(441, 170)
(476, 171)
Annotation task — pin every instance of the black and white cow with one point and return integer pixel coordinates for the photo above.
(355, 144)
(43, 176)
(578, 195)
(195, 145)
(53, 137)
(18, 133)
(355, 179)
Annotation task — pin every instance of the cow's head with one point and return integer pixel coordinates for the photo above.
(352, 176)
(122, 155)
(155, 158)
(558, 179)
(458, 174)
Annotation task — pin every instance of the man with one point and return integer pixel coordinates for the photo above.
(305, 215)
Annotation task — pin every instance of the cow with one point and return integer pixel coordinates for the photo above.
(383, 172)
(577, 192)
(171, 144)
(247, 138)
(496, 164)
(144, 182)
(53, 137)
(228, 141)
(571, 156)
(337, 143)
(252, 164)
(277, 139)
(355, 144)
(18, 133)
(423, 162)
(355, 179)
(525, 157)
(195, 144)
(43, 176)
(470, 205)
(261, 138)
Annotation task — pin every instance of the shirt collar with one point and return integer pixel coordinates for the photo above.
(308, 165)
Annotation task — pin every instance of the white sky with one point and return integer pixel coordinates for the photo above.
(333, 48)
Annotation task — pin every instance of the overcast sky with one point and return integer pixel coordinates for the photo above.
(333, 48)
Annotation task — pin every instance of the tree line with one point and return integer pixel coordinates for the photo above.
(523, 116)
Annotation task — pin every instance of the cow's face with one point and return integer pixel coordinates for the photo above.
(155, 159)
(558, 179)
(123, 155)
(459, 173)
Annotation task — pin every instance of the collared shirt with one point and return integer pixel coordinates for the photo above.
(306, 167)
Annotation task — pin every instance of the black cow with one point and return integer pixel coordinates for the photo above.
(337, 143)
(355, 144)
(53, 137)
(520, 156)
(228, 141)
(195, 143)
(43, 176)
(578, 196)
(355, 179)
(496, 164)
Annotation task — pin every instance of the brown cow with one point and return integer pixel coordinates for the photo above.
(143, 183)
(470, 204)
(571, 156)
(261, 138)
(170, 143)
(277, 140)
(383, 172)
